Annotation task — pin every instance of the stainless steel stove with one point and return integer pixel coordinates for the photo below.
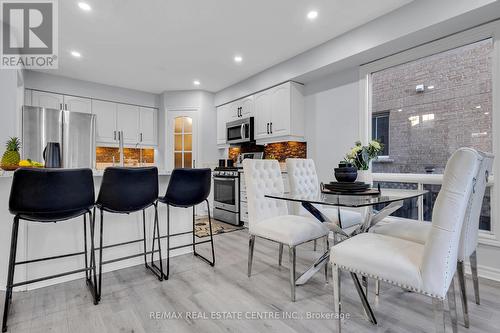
(227, 194)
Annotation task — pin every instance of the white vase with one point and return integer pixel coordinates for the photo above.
(365, 176)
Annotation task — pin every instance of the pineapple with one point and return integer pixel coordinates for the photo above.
(11, 156)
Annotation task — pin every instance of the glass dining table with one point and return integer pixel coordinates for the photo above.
(387, 202)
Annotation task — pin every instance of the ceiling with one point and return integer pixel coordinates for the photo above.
(158, 45)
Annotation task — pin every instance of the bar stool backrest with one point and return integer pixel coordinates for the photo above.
(188, 187)
(127, 190)
(49, 195)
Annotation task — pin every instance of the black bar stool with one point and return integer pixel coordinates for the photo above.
(188, 188)
(51, 195)
(125, 191)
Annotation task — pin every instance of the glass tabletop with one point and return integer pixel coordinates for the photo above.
(386, 196)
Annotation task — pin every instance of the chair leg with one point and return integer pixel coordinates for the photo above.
(475, 278)
(168, 242)
(251, 243)
(364, 281)
(438, 305)
(452, 305)
(336, 297)
(211, 263)
(144, 237)
(100, 254)
(280, 254)
(10, 274)
(156, 236)
(314, 246)
(85, 248)
(463, 292)
(92, 256)
(292, 270)
(327, 248)
(377, 287)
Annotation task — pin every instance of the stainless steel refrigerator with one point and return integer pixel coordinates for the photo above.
(74, 131)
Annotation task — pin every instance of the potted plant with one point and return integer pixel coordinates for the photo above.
(360, 156)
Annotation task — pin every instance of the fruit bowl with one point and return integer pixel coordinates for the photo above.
(9, 167)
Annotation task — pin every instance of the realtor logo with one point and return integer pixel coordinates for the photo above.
(29, 37)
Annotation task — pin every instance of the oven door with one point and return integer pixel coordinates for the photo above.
(226, 193)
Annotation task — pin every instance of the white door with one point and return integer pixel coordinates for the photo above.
(182, 136)
(127, 121)
(246, 107)
(148, 133)
(47, 100)
(221, 124)
(262, 114)
(280, 107)
(105, 113)
(78, 104)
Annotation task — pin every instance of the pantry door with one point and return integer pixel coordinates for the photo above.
(182, 138)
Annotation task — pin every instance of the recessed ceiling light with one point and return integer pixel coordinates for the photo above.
(238, 58)
(76, 54)
(399, 110)
(84, 6)
(430, 87)
(478, 106)
(486, 113)
(196, 82)
(312, 14)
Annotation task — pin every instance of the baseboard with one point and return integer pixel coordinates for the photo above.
(485, 272)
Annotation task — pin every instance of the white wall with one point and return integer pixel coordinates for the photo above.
(9, 80)
(68, 86)
(416, 23)
(332, 112)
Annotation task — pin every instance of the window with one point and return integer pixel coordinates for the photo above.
(380, 130)
(435, 104)
(425, 109)
(183, 142)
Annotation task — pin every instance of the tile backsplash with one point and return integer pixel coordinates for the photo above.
(131, 156)
(279, 151)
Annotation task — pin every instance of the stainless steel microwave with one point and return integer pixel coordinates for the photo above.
(240, 131)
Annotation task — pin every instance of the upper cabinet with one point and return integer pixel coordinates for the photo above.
(77, 104)
(127, 121)
(148, 129)
(279, 114)
(60, 102)
(242, 108)
(105, 114)
(222, 117)
(138, 124)
(47, 100)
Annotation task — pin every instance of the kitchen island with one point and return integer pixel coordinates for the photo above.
(37, 240)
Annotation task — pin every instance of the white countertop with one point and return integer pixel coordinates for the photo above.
(97, 173)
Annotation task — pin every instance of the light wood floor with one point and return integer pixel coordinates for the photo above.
(130, 295)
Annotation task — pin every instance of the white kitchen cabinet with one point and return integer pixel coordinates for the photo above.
(127, 121)
(105, 113)
(47, 100)
(77, 104)
(242, 108)
(279, 114)
(148, 126)
(222, 117)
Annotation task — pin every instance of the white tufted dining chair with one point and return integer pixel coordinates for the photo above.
(418, 231)
(269, 218)
(426, 268)
(304, 182)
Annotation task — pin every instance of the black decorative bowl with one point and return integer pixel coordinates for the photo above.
(346, 174)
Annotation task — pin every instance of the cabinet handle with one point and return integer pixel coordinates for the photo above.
(60, 106)
(267, 128)
(114, 135)
(271, 127)
(141, 137)
(119, 135)
(241, 111)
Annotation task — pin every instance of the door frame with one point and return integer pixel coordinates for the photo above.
(172, 113)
